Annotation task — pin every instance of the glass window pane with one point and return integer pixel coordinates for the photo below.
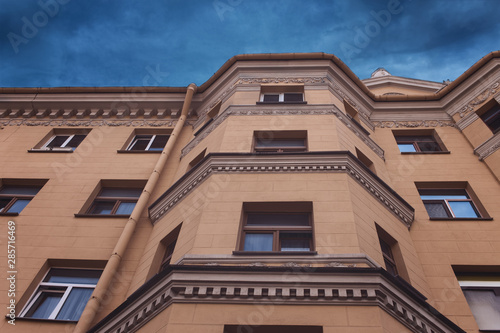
(140, 142)
(485, 307)
(390, 267)
(102, 207)
(269, 219)
(289, 97)
(58, 141)
(271, 98)
(125, 208)
(159, 142)
(406, 148)
(442, 197)
(271, 143)
(428, 146)
(121, 192)
(258, 242)
(75, 141)
(73, 276)
(75, 303)
(19, 205)
(295, 242)
(3, 203)
(463, 209)
(45, 305)
(436, 210)
(20, 190)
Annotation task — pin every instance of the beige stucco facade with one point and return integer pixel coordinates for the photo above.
(350, 178)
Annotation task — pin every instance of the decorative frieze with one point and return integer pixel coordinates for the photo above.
(90, 123)
(328, 286)
(489, 147)
(413, 123)
(262, 110)
(478, 100)
(320, 162)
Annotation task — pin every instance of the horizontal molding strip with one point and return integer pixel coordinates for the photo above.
(330, 286)
(283, 110)
(316, 162)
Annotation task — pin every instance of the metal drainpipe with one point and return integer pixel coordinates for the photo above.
(113, 263)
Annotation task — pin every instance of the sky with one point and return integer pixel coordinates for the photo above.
(60, 43)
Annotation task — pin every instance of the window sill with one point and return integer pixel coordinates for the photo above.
(100, 216)
(9, 214)
(63, 150)
(122, 151)
(304, 102)
(425, 152)
(274, 253)
(461, 219)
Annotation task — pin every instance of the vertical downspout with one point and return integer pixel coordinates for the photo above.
(113, 263)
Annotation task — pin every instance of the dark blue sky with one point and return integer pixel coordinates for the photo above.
(50, 43)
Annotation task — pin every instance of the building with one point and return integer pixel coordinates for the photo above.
(282, 195)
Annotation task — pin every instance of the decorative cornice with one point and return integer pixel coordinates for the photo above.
(332, 286)
(488, 147)
(90, 123)
(478, 100)
(288, 109)
(414, 123)
(321, 260)
(314, 162)
(467, 120)
(283, 80)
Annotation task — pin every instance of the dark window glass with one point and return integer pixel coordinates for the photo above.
(492, 118)
(271, 97)
(290, 97)
(159, 142)
(13, 199)
(421, 143)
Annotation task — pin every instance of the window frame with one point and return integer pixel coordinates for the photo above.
(42, 145)
(281, 98)
(135, 139)
(276, 230)
(479, 282)
(55, 288)
(412, 139)
(15, 197)
(279, 135)
(446, 202)
(63, 146)
(117, 201)
(491, 118)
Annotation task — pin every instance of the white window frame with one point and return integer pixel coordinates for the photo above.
(63, 146)
(478, 284)
(44, 287)
(134, 141)
(281, 96)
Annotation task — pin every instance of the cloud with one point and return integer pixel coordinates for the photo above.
(112, 43)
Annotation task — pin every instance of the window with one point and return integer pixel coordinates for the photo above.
(62, 294)
(482, 293)
(391, 253)
(148, 142)
(13, 199)
(365, 160)
(277, 227)
(115, 201)
(280, 141)
(282, 98)
(15, 194)
(61, 140)
(168, 246)
(418, 141)
(282, 94)
(448, 203)
(492, 118)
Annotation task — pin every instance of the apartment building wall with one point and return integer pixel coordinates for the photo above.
(360, 188)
